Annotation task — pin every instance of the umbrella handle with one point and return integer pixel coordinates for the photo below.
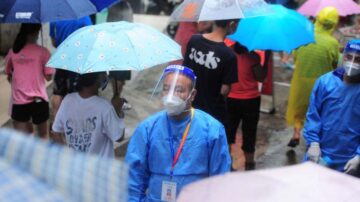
(116, 87)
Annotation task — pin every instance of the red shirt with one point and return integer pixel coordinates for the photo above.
(184, 33)
(247, 86)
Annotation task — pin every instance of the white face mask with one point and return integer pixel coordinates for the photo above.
(174, 105)
(351, 68)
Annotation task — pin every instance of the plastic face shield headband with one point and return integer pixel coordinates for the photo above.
(351, 59)
(174, 81)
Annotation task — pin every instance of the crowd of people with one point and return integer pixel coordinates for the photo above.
(205, 97)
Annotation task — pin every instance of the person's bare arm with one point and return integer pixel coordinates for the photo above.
(58, 137)
(225, 89)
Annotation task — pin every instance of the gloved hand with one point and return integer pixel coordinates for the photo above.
(313, 153)
(352, 165)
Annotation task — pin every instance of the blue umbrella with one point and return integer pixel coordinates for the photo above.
(101, 4)
(38, 11)
(284, 30)
(114, 46)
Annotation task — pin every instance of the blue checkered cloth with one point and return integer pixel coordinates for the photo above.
(35, 170)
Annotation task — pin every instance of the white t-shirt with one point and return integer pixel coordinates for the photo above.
(90, 125)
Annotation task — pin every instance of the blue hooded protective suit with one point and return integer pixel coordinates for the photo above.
(205, 153)
(333, 118)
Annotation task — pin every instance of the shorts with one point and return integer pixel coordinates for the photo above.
(120, 75)
(37, 111)
(246, 112)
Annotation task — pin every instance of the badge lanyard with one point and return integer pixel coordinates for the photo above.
(186, 132)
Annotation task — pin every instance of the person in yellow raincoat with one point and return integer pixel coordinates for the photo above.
(311, 62)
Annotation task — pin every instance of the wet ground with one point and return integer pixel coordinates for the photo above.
(273, 133)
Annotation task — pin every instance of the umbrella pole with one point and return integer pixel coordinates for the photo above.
(116, 87)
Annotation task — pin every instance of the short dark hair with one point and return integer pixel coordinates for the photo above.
(87, 80)
(224, 23)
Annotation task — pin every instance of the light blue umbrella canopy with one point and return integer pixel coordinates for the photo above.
(114, 46)
(284, 30)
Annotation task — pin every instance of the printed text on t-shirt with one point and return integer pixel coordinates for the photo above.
(79, 133)
(208, 60)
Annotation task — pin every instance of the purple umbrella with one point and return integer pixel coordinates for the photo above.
(345, 7)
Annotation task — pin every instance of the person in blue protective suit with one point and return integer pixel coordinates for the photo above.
(332, 128)
(176, 146)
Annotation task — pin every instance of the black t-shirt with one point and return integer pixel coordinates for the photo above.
(214, 64)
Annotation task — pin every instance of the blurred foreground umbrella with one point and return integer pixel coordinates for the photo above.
(305, 182)
(34, 170)
(39, 11)
(208, 10)
(284, 30)
(114, 46)
(345, 7)
(17, 185)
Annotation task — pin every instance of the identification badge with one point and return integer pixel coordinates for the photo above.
(168, 192)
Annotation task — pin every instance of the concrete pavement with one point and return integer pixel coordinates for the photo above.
(273, 134)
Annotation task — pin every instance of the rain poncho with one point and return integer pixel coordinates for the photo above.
(311, 62)
(205, 153)
(333, 119)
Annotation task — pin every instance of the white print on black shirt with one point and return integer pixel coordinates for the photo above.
(208, 60)
(79, 134)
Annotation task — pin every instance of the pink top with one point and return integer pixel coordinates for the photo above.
(28, 71)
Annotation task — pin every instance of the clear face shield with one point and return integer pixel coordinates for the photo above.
(177, 83)
(351, 58)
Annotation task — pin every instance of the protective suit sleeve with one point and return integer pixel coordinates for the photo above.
(358, 150)
(136, 158)
(220, 160)
(312, 127)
